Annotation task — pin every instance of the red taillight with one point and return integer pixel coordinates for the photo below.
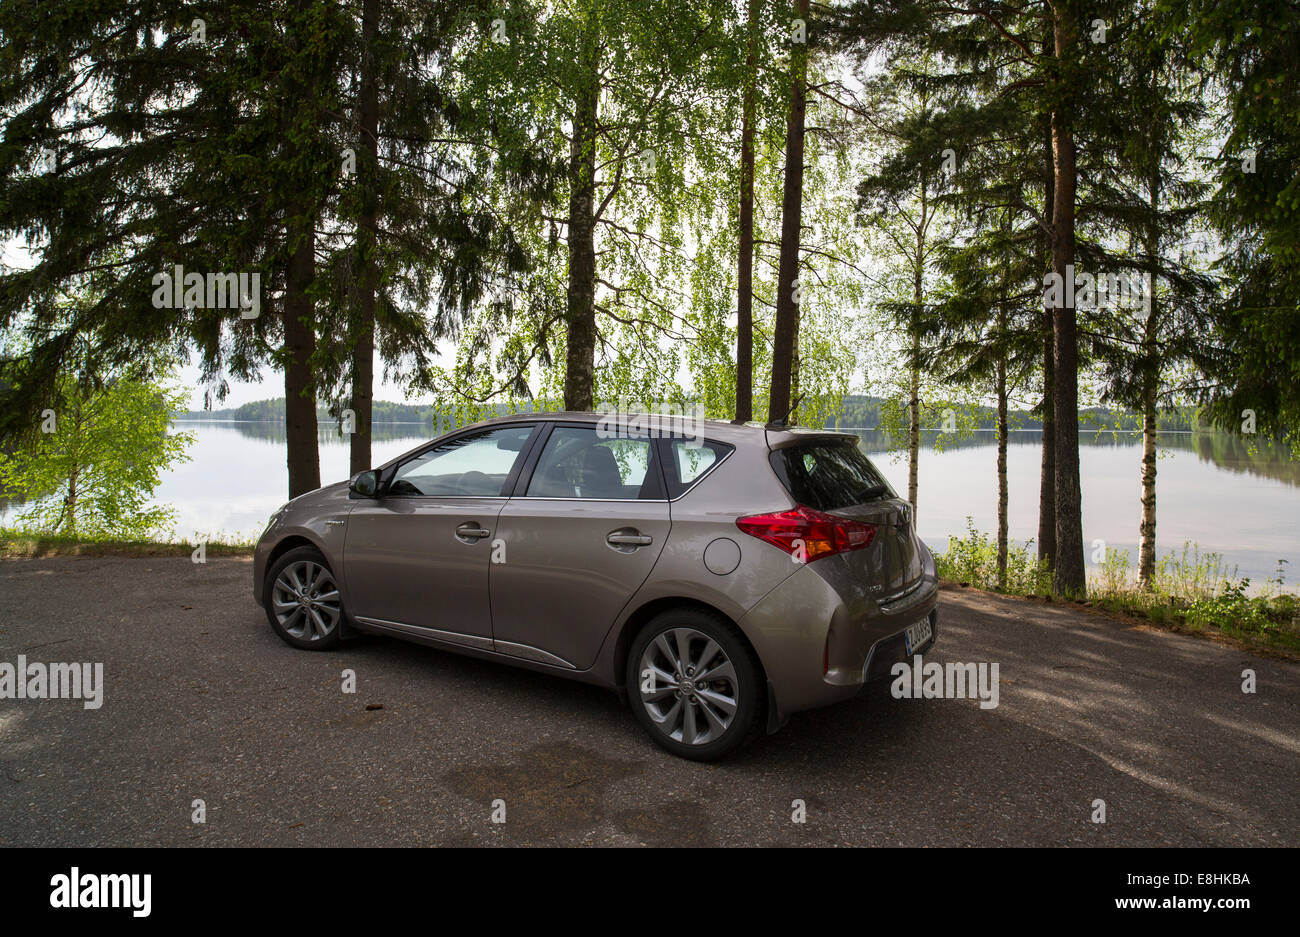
(820, 534)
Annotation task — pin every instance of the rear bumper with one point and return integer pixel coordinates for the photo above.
(820, 643)
(887, 652)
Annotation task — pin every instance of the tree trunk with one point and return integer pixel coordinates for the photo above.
(745, 269)
(794, 380)
(1147, 549)
(1070, 576)
(787, 306)
(1000, 389)
(914, 366)
(914, 430)
(299, 379)
(363, 394)
(1002, 465)
(363, 341)
(1047, 476)
(1150, 418)
(70, 503)
(580, 362)
(74, 447)
(302, 451)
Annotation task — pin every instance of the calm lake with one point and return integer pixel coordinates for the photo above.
(1210, 489)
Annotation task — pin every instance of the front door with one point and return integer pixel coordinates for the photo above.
(418, 556)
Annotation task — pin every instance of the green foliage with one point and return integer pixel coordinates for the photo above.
(1253, 357)
(1191, 589)
(96, 472)
(1271, 614)
(1191, 575)
(973, 560)
(1232, 610)
(1114, 575)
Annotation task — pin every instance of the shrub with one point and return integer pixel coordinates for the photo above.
(973, 559)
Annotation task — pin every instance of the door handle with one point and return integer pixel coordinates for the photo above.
(471, 532)
(620, 539)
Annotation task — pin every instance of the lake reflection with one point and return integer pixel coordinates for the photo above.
(1210, 488)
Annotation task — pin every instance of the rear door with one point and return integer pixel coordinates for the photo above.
(833, 475)
(418, 556)
(581, 535)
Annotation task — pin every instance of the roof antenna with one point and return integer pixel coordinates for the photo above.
(785, 420)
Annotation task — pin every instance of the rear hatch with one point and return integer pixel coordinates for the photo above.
(831, 474)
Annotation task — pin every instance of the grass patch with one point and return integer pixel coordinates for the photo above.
(1192, 592)
(19, 542)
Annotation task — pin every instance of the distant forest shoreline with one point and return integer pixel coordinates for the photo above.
(859, 412)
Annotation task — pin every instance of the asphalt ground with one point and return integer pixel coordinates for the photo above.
(203, 702)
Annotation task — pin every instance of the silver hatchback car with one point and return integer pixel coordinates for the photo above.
(722, 575)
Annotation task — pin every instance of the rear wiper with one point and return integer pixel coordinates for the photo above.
(873, 492)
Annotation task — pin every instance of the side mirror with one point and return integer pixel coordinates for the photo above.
(364, 484)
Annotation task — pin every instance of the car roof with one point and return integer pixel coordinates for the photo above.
(736, 434)
(720, 430)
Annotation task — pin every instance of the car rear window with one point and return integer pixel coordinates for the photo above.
(829, 475)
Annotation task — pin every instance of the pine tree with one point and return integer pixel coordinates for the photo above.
(1159, 203)
(1251, 360)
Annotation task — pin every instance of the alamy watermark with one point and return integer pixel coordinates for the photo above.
(180, 290)
(79, 889)
(666, 420)
(53, 681)
(1100, 291)
(919, 680)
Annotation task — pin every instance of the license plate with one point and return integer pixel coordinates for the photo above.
(917, 635)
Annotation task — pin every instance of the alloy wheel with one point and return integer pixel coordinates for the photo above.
(306, 602)
(688, 686)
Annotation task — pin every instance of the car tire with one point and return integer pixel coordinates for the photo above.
(695, 718)
(303, 602)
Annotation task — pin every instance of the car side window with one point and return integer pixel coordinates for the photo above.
(578, 462)
(465, 467)
(688, 462)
